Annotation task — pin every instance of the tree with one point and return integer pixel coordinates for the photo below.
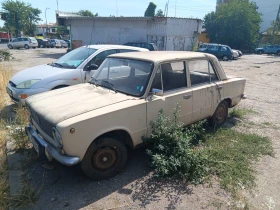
(21, 17)
(160, 13)
(87, 13)
(274, 32)
(150, 11)
(236, 24)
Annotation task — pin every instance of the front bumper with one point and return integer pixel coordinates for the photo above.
(63, 159)
(15, 93)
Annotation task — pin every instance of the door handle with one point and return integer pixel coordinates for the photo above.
(219, 87)
(188, 96)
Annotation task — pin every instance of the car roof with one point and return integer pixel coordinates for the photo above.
(107, 46)
(161, 56)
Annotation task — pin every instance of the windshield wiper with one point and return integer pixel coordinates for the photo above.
(112, 86)
(58, 64)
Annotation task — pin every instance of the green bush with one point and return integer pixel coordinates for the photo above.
(172, 153)
(5, 55)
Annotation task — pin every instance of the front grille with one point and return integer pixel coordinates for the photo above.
(41, 122)
(12, 84)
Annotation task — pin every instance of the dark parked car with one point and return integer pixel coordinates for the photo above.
(223, 52)
(149, 46)
(43, 43)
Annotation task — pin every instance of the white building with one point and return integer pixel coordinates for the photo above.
(269, 9)
(42, 28)
(166, 33)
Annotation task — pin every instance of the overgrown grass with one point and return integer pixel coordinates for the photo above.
(5, 73)
(26, 196)
(240, 112)
(5, 55)
(231, 154)
(195, 154)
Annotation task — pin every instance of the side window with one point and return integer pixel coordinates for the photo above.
(213, 48)
(127, 50)
(199, 72)
(223, 49)
(15, 40)
(20, 39)
(213, 75)
(173, 76)
(98, 59)
(25, 39)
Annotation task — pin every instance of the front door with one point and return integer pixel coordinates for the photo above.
(171, 81)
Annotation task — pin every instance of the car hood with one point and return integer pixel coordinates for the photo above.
(58, 105)
(259, 48)
(38, 72)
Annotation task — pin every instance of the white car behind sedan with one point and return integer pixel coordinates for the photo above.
(73, 68)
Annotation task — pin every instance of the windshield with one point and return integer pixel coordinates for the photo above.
(74, 58)
(124, 75)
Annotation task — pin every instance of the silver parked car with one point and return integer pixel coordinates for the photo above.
(23, 42)
(63, 43)
(55, 43)
(75, 67)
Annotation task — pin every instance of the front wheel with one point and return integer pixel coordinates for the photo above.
(260, 52)
(105, 158)
(220, 115)
(10, 46)
(278, 53)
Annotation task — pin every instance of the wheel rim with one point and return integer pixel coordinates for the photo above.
(41, 46)
(26, 47)
(225, 58)
(220, 114)
(104, 158)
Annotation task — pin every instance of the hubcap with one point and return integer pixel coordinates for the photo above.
(104, 158)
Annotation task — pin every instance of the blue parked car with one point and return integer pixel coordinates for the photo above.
(270, 49)
(223, 52)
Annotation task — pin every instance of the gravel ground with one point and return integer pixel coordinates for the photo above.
(67, 188)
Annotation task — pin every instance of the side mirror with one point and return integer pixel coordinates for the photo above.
(157, 92)
(91, 67)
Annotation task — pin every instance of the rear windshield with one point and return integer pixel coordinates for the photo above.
(32, 38)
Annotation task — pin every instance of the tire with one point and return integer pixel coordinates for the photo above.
(278, 53)
(10, 46)
(105, 158)
(41, 46)
(26, 46)
(260, 52)
(225, 58)
(220, 115)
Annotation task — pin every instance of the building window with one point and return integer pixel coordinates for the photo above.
(53, 30)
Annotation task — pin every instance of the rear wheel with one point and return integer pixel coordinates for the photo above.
(225, 58)
(220, 114)
(26, 46)
(105, 158)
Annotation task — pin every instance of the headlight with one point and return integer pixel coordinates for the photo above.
(57, 137)
(27, 84)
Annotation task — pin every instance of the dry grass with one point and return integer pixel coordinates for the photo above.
(5, 74)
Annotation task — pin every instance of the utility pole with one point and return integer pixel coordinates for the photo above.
(57, 5)
(278, 14)
(46, 19)
(167, 5)
(175, 7)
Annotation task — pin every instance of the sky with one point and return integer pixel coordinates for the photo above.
(184, 8)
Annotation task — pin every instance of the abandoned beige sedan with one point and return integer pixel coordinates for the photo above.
(94, 123)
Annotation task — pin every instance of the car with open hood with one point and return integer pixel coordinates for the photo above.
(73, 68)
(94, 123)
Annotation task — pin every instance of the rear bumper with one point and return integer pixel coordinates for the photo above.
(63, 159)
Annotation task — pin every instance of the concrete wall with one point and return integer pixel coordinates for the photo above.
(167, 34)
